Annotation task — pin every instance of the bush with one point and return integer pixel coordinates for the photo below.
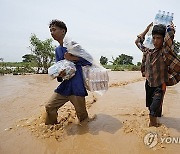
(135, 68)
(123, 67)
(2, 72)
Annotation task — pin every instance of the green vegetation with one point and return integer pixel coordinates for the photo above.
(39, 61)
(42, 57)
(122, 60)
(103, 60)
(42, 53)
(16, 68)
(123, 67)
(122, 63)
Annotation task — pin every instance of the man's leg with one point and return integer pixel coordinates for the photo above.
(55, 102)
(80, 106)
(149, 94)
(163, 93)
(156, 106)
(149, 101)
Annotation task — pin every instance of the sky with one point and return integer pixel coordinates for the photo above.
(102, 27)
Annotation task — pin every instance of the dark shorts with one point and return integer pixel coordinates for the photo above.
(154, 99)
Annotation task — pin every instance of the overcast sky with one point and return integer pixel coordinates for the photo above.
(102, 27)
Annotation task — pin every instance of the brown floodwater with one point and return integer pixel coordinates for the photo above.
(120, 124)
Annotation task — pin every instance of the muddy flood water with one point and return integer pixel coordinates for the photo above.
(118, 119)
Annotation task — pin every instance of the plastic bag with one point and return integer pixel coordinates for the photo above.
(95, 77)
(76, 49)
(66, 65)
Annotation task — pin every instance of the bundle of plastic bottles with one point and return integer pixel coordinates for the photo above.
(63, 65)
(161, 17)
(95, 76)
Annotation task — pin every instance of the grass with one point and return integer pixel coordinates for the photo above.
(22, 68)
(123, 67)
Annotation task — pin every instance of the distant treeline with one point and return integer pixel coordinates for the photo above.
(17, 68)
(42, 57)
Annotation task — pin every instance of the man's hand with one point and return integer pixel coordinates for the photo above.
(169, 37)
(149, 26)
(70, 57)
(62, 73)
(172, 27)
(142, 35)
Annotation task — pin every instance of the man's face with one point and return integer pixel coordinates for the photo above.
(158, 41)
(57, 33)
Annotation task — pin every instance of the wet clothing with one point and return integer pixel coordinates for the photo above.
(154, 61)
(75, 85)
(72, 90)
(56, 101)
(154, 98)
(161, 68)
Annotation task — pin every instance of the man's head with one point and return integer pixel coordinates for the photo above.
(58, 29)
(158, 34)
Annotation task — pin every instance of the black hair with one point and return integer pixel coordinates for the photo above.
(59, 24)
(159, 29)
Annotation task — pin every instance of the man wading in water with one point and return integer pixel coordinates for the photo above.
(160, 66)
(72, 90)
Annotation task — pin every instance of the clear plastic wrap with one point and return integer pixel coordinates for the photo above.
(160, 18)
(66, 65)
(95, 76)
(76, 49)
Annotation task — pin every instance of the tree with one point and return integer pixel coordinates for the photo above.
(138, 63)
(2, 59)
(103, 60)
(29, 58)
(123, 60)
(2, 68)
(43, 52)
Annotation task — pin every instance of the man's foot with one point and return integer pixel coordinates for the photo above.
(88, 119)
(51, 123)
(50, 120)
(154, 125)
(153, 121)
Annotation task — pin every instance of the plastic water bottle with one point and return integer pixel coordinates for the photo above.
(156, 22)
(157, 18)
(163, 20)
(148, 43)
(167, 19)
(160, 18)
(171, 17)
